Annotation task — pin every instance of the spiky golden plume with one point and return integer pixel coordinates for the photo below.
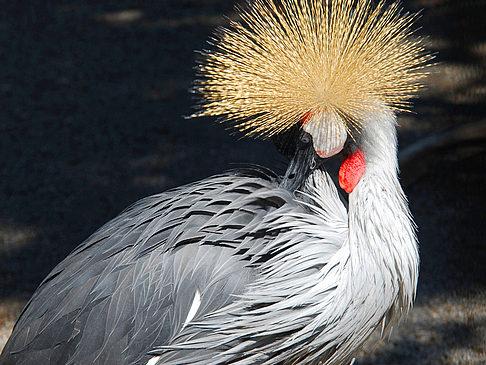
(290, 57)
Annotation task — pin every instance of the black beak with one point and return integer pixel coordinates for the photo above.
(303, 162)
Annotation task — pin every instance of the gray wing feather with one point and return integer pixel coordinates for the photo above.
(128, 287)
(248, 246)
(283, 309)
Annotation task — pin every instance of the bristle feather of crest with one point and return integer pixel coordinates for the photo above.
(286, 58)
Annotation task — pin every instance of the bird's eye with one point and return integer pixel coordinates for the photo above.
(305, 138)
(350, 147)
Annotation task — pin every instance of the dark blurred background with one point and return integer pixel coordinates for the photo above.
(92, 99)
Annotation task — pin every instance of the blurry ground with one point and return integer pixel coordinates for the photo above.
(92, 95)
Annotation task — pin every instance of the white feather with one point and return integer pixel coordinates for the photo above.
(196, 302)
(153, 360)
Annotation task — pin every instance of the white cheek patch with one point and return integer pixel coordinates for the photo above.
(328, 133)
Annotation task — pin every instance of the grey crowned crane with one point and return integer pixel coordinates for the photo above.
(247, 267)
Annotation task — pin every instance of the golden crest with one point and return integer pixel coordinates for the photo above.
(288, 58)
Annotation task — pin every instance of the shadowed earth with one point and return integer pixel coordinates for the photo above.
(93, 95)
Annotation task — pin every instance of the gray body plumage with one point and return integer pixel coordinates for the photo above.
(284, 277)
(128, 288)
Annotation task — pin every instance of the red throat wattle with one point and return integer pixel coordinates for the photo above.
(351, 171)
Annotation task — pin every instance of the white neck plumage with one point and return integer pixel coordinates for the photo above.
(381, 230)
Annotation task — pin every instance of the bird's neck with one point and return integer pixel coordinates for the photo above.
(382, 239)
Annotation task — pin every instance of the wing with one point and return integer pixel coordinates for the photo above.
(135, 283)
(294, 302)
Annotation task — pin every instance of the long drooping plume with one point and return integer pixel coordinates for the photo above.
(288, 58)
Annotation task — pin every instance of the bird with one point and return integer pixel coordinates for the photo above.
(249, 267)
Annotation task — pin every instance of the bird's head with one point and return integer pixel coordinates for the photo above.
(325, 66)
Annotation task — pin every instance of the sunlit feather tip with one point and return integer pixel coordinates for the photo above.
(288, 58)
